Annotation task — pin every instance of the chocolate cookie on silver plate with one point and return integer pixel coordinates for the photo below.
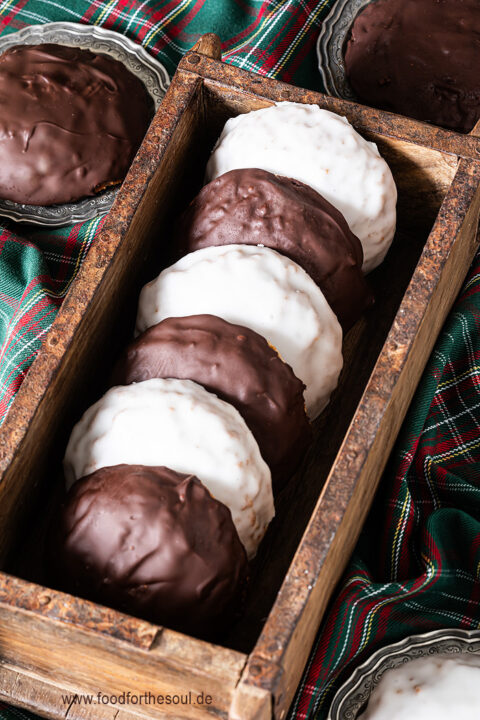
(414, 57)
(73, 119)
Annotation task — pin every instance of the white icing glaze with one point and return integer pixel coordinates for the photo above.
(177, 423)
(322, 150)
(429, 688)
(260, 289)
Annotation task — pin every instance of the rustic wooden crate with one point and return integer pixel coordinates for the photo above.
(52, 644)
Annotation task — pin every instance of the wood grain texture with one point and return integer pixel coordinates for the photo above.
(208, 45)
(365, 119)
(71, 344)
(33, 692)
(50, 641)
(476, 130)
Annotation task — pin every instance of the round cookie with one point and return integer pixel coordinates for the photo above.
(71, 122)
(321, 149)
(253, 207)
(177, 423)
(262, 290)
(436, 686)
(152, 542)
(240, 367)
(418, 58)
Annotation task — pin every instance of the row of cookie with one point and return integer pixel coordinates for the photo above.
(269, 252)
(218, 317)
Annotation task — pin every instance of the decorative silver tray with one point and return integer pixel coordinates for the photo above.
(87, 37)
(330, 45)
(353, 696)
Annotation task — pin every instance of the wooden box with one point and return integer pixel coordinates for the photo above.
(53, 645)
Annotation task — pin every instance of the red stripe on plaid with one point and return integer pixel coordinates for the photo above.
(25, 320)
(10, 16)
(29, 325)
(310, 43)
(176, 31)
(270, 58)
(249, 30)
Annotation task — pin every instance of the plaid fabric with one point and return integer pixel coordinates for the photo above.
(417, 563)
(416, 566)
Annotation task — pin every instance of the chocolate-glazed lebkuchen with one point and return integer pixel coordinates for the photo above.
(418, 58)
(71, 122)
(152, 542)
(239, 366)
(254, 207)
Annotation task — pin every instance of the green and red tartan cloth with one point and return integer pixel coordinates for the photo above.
(417, 564)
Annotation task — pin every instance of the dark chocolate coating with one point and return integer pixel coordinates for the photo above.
(151, 542)
(71, 122)
(255, 207)
(240, 367)
(418, 58)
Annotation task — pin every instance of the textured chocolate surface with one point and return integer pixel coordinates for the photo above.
(255, 207)
(151, 542)
(70, 123)
(418, 58)
(240, 367)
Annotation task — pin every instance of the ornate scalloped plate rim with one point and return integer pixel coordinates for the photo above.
(339, 20)
(86, 36)
(415, 645)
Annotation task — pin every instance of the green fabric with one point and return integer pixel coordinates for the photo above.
(416, 566)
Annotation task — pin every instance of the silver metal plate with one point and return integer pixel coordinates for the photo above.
(352, 697)
(87, 37)
(330, 46)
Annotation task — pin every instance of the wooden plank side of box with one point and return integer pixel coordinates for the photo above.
(107, 274)
(56, 646)
(277, 662)
(366, 120)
